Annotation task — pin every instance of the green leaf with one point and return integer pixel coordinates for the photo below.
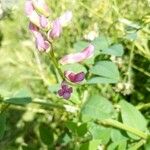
(22, 97)
(100, 132)
(131, 36)
(46, 134)
(96, 107)
(72, 126)
(19, 100)
(118, 145)
(107, 71)
(77, 130)
(100, 43)
(116, 135)
(2, 125)
(92, 145)
(82, 129)
(74, 67)
(100, 80)
(80, 45)
(116, 49)
(132, 117)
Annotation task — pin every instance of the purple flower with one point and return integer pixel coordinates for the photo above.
(56, 29)
(33, 28)
(65, 90)
(78, 57)
(43, 21)
(75, 77)
(41, 44)
(42, 7)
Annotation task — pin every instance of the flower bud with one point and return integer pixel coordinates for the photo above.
(56, 29)
(31, 13)
(78, 57)
(74, 77)
(42, 7)
(65, 90)
(33, 28)
(65, 18)
(44, 22)
(41, 43)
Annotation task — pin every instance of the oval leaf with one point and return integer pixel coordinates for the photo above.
(96, 107)
(132, 117)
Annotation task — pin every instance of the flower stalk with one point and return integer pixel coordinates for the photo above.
(117, 124)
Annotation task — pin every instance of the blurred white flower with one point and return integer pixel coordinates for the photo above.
(91, 35)
(65, 18)
(71, 109)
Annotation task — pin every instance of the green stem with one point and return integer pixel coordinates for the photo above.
(45, 103)
(143, 106)
(137, 145)
(116, 124)
(130, 62)
(53, 58)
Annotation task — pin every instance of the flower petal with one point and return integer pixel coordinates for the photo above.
(42, 7)
(56, 29)
(79, 77)
(74, 77)
(43, 21)
(65, 18)
(28, 7)
(33, 28)
(66, 95)
(78, 57)
(41, 44)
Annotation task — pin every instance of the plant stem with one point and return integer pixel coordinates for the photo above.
(137, 145)
(143, 106)
(53, 58)
(45, 103)
(130, 62)
(116, 124)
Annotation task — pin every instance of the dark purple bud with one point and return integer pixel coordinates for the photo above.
(65, 90)
(74, 77)
(66, 95)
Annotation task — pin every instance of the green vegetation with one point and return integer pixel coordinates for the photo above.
(109, 110)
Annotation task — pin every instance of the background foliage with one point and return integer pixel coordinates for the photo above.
(99, 115)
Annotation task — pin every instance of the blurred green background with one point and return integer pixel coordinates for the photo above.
(23, 69)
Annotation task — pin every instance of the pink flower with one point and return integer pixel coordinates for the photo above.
(28, 7)
(43, 21)
(41, 43)
(78, 57)
(42, 7)
(33, 28)
(65, 90)
(75, 77)
(65, 18)
(31, 13)
(56, 29)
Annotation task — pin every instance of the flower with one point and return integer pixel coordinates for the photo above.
(41, 43)
(65, 90)
(33, 28)
(44, 22)
(65, 18)
(56, 29)
(74, 77)
(31, 13)
(41, 6)
(78, 57)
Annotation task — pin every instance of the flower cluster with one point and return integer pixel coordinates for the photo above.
(45, 31)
